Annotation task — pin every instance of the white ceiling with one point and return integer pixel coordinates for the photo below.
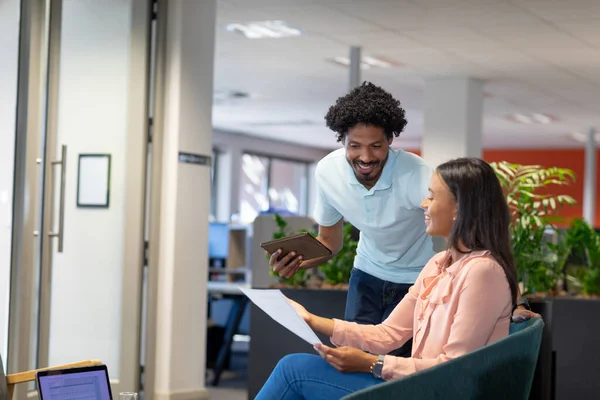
(535, 56)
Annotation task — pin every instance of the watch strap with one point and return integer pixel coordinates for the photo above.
(521, 301)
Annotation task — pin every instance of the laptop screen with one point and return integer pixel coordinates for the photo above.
(86, 383)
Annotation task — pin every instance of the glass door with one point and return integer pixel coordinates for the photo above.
(9, 54)
(87, 283)
(25, 261)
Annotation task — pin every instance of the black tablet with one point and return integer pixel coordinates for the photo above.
(302, 243)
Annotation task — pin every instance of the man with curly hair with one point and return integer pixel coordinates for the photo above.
(378, 190)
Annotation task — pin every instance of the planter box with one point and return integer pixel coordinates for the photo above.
(567, 368)
(269, 341)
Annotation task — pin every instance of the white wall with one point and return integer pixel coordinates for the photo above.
(232, 146)
(87, 277)
(9, 50)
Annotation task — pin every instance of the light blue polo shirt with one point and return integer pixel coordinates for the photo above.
(393, 245)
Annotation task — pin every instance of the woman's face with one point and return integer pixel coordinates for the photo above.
(440, 208)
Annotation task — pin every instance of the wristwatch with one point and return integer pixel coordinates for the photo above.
(522, 301)
(377, 367)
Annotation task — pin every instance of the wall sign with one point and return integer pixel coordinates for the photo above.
(198, 159)
(93, 182)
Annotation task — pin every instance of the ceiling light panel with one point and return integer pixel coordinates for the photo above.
(534, 118)
(367, 62)
(264, 30)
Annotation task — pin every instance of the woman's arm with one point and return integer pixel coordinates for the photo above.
(377, 339)
(391, 334)
(321, 325)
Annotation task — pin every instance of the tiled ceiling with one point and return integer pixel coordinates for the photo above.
(535, 56)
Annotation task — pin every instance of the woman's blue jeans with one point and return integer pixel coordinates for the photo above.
(308, 376)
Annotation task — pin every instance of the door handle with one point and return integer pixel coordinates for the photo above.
(61, 208)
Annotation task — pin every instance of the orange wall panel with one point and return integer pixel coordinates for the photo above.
(571, 158)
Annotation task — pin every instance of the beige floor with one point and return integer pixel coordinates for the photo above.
(232, 385)
(227, 394)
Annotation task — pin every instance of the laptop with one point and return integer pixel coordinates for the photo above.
(81, 383)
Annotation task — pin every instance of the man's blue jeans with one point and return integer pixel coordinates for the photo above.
(308, 376)
(371, 300)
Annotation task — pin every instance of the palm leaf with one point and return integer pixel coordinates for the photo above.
(532, 212)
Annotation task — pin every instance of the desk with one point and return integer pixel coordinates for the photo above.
(228, 290)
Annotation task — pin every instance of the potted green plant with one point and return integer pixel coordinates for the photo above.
(582, 265)
(559, 269)
(336, 271)
(532, 209)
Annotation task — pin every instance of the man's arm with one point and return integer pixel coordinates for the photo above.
(522, 311)
(330, 236)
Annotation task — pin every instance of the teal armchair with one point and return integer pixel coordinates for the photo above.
(501, 370)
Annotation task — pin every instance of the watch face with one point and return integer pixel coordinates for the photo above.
(377, 370)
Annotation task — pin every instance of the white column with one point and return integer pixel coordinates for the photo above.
(354, 70)
(223, 186)
(589, 183)
(229, 168)
(185, 202)
(452, 119)
(235, 179)
(312, 189)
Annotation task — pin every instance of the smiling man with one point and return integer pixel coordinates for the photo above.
(379, 190)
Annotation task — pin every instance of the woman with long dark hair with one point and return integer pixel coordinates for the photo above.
(461, 301)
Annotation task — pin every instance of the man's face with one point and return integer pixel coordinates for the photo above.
(367, 151)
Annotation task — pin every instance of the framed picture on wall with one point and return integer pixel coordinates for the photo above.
(93, 181)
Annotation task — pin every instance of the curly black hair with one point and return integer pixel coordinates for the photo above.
(367, 104)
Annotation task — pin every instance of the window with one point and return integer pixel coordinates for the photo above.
(288, 186)
(270, 183)
(253, 187)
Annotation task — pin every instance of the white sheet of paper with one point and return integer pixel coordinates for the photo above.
(274, 303)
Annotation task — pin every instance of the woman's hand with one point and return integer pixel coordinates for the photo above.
(306, 316)
(347, 359)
